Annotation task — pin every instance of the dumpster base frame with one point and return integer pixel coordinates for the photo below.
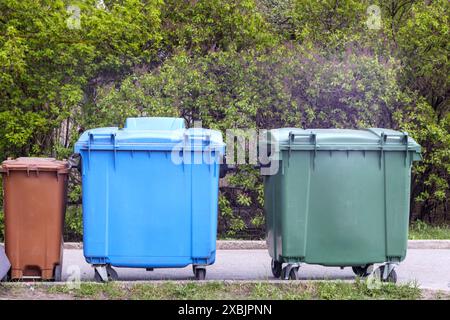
(380, 271)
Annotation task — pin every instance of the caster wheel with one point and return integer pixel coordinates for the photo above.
(293, 273)
(97, 276)
(57, 273)
(200, 273)
(392, 277)
(112, 274)
(361, 271)
(276, 268)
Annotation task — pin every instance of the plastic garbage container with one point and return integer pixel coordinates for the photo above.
(34, 204)
(150, 195)
(339, 198)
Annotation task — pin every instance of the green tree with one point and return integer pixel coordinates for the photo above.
(50, 66)
(209, 25)
(424, 50)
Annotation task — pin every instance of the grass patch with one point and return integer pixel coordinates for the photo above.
(420, 230)
(359, 290)
(323, 290)
(91, 290)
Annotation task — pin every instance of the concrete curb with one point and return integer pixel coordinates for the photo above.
(429, 244)
(261, 244)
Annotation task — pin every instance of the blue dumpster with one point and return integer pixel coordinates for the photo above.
(150, 195)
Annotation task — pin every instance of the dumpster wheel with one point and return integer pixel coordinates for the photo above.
(290, 272)
(361, 271)
(57, 273)
(276, 268)
(199, 272)
(100, 271)
(391, 277)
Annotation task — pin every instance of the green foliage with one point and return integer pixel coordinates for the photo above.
(424, 49)
(258, 221)
(74, 224)
(420, 230)
(209, 25)
(431, 189)
(329, 21)
(47, 66)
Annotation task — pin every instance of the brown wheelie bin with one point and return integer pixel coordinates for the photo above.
(34, 203)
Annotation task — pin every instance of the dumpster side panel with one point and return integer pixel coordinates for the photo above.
(205, 179)
(297, 168)
(348, 227)
(397, 194)
(95, 190)
(273, 206)
(269, 204)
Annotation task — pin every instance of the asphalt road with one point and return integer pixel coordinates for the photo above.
(430, 268)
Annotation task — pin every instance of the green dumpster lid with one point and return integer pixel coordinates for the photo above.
(343, 139)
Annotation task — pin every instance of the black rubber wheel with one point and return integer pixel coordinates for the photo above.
(360, 271)
(276, 268)
(97, 276)
(392, 277)
(293, 273)
(112, 274)
(200, 273)
(57, 273)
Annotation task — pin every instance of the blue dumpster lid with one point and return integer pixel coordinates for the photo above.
(155, 123)
(343, 139)
(151, 134)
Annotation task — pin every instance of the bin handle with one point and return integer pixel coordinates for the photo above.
(204, 137)
(92, 136)
(111, 135)
(313, 138)
(403, 137)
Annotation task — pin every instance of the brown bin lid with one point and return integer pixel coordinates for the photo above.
(31, 163)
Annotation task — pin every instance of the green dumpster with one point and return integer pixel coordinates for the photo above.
(339, 198)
